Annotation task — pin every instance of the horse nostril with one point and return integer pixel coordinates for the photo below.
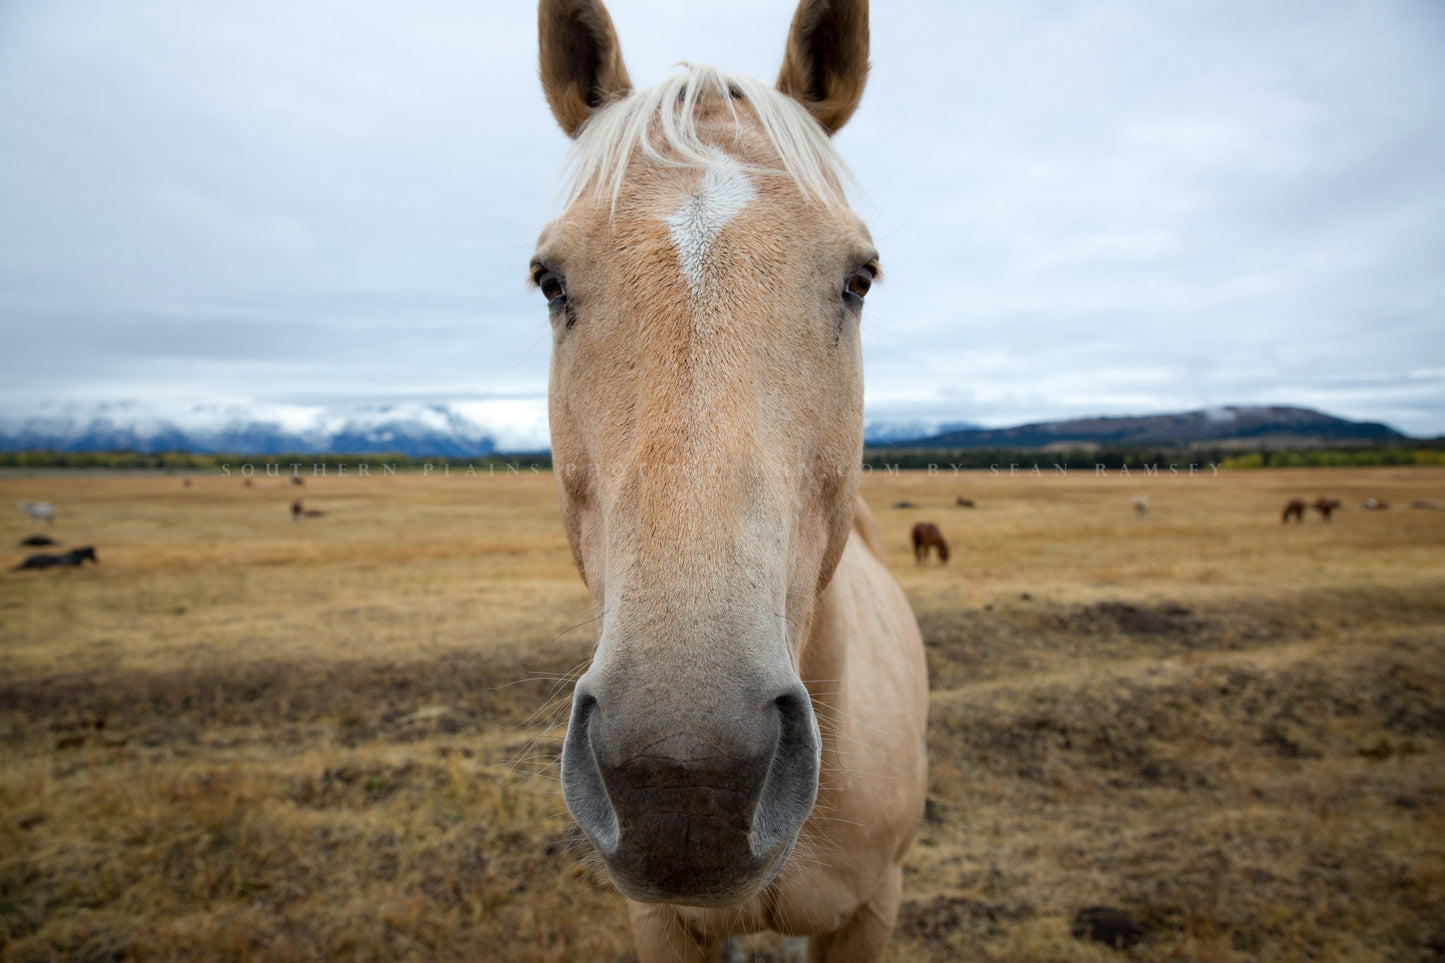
(791, 786)
(799, 728)
(582, 785)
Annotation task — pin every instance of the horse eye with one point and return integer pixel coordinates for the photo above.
(550, 285)
(861, 282)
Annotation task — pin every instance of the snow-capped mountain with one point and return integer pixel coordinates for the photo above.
(475, 428)
(892, 432)
(457, 430)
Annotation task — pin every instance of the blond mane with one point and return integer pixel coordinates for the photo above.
(661, 123)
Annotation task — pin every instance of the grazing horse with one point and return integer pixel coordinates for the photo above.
(1295, 507)
(925, 536)
(1325, 506)
(747, 749)
(300, 511)
(38, 511)
(73, 558)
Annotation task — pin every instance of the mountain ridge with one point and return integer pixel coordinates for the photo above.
(466, 430)
(1230, 423)
(414, 429)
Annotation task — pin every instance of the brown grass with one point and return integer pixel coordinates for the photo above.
(241, 737)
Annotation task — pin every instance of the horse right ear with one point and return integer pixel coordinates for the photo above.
(582, 67)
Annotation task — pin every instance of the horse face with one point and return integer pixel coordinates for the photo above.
(706, 415)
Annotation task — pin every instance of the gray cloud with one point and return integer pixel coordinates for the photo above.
(1083, 207)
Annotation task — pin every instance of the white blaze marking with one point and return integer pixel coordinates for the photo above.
(723, 191)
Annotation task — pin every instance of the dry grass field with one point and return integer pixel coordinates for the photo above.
(241, 737)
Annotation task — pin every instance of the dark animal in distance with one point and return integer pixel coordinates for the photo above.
(964, 502)
(1296, 507)
(904, 504)
(925, 536)
(1115, 928)
(1325, 506)
(300, 511)
(38, 541)
(71, 559)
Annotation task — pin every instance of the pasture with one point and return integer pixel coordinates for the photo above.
(241, 736)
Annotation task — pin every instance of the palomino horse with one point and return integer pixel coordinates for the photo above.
(747, 749)
(926, 536)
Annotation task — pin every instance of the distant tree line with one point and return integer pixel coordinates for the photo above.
(198, 461)
(1338, 458)
(1421, 452)
(1398, 453)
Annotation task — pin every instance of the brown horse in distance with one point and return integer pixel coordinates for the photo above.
(925, 536)
(1295, 507)
(300, 511)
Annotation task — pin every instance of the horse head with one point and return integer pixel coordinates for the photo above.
(704, 283)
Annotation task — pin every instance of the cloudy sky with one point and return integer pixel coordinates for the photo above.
(1083, 207)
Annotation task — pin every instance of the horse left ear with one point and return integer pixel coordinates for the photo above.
(825, 64)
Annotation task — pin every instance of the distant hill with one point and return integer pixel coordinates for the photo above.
(459, 431)
(418, 430)
(1231, 424)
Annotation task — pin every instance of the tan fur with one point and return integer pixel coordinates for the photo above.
(867, 528)
(707, 436)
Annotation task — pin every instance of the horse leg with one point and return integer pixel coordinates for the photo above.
(864, 938)
(661, 936)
